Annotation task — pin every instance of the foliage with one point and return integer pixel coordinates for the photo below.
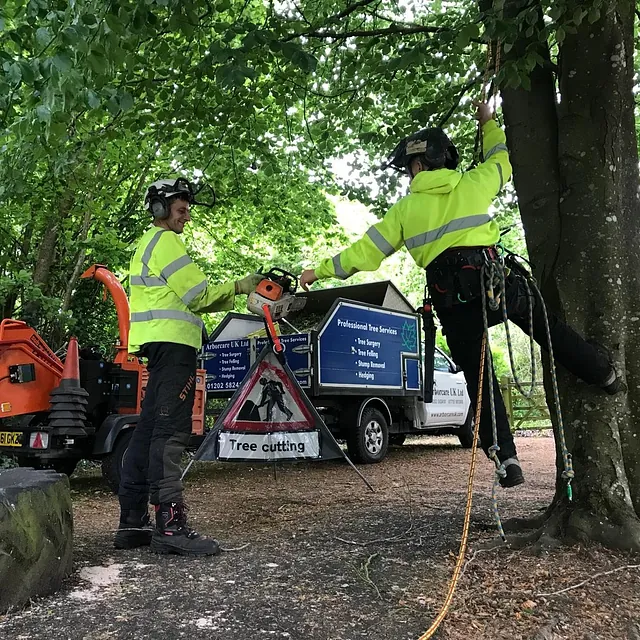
(259, 100)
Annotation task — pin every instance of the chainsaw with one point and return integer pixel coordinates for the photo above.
(274, 296)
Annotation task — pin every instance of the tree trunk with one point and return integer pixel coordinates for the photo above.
(596, 222)
(46, 255)
(78, 263)
(47, 249)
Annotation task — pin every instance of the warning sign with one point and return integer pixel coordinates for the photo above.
(269, 401)
(269, 418)
(270, 446)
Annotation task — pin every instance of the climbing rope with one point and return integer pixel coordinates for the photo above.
(530, 284)
(467, 513)
(501, 472)
(568, 473)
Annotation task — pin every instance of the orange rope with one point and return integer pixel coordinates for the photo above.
(467, 514)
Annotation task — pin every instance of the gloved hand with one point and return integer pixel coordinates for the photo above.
(248, 284)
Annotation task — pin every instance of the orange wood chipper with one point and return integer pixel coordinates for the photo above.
(54, 413)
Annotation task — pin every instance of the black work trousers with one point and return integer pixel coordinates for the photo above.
(463, 327)
(151, 469)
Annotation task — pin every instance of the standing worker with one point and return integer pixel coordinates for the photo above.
(445, 225)
(168, 292)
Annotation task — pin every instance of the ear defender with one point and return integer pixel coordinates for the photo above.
(159, 207)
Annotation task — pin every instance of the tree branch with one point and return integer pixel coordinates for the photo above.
(371, 33)
(349, 10)
(580, 584)
(456, 102)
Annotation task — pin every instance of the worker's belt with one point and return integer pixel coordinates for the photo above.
(454, 276)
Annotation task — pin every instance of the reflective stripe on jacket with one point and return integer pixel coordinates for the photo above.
(444, 209)
(168, 291)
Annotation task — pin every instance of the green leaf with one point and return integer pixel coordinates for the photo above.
(578, 15)
(93, 99)
(27, 72)
(594, 15)
(89, 19)
(560, 35)
(43, 36)
(58, 129)
(70, 36)
(15, 73)
(508, 46)
(97, 62)
(113, 106)
(43, 112)
(114, 23)
(62, 62)
(305, 61)
(465, 35)
(126, 101)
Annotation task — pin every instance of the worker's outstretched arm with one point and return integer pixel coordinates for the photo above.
(488, 178)
(175, 267)
(380, 241)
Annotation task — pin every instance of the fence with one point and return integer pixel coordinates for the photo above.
(525, 413)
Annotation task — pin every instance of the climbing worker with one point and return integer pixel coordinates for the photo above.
(168, 292)
(445, 225)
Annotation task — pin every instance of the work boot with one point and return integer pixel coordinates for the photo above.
(134, 530)
(173, 534)
(514, 475)
(613, 383)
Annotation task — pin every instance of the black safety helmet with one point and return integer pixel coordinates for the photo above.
(431, 146)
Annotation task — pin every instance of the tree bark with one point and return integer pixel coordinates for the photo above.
(47, 249)
(583, 198)
(46, 255)
(600, 249)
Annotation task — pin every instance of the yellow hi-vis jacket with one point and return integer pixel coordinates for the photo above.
(444, 209)
(168, 291)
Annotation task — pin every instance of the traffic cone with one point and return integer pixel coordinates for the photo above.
(68, 413)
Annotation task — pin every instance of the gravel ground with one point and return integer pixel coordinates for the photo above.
(313, 554)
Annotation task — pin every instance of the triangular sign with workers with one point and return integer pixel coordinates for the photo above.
(269, 418)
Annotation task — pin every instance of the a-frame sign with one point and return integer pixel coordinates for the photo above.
(270, 418)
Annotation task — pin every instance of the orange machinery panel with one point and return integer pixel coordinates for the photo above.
(20, 344)
(199, 403)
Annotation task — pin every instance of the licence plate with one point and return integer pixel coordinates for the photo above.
(10, 439)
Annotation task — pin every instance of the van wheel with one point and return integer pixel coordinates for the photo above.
(397, 439)
(112, 463)
(369, 441)
(465, 432)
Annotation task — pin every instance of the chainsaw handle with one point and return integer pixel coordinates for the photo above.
(277, 274)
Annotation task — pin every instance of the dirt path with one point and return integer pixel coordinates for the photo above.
(328, 560)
